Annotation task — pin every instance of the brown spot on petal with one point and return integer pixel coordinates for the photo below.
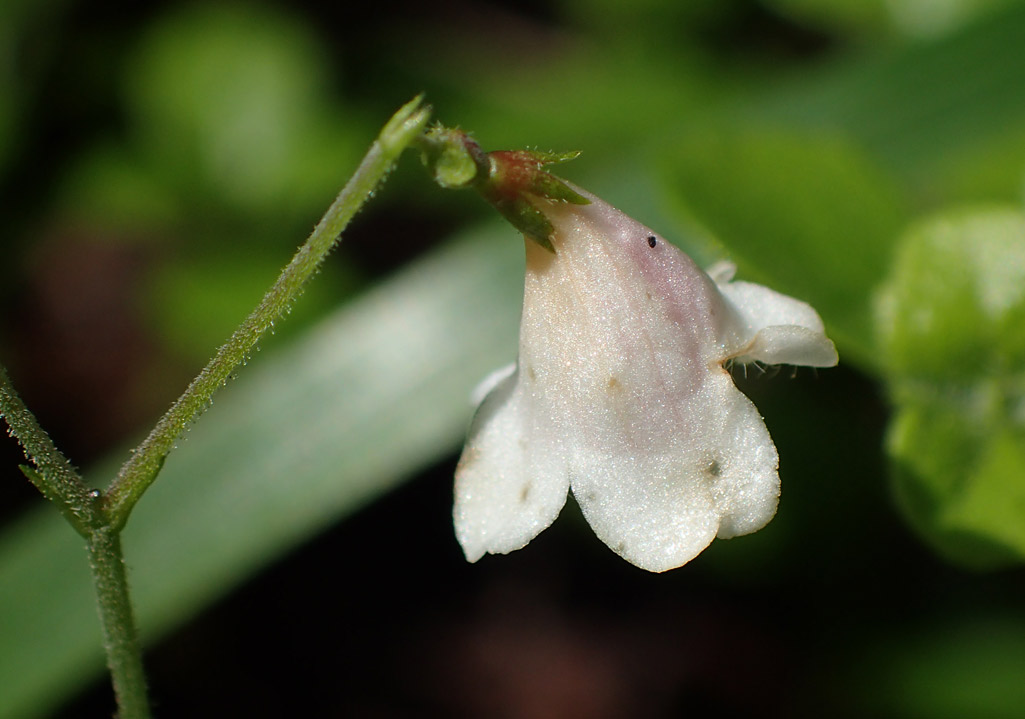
(525, 492)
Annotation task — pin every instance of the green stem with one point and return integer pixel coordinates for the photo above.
(53, 474)
(142, 467)
(100, 522)
(124, 653)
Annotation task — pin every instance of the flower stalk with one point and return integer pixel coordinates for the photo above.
(120, 637)
(141, 469)
(100, 516)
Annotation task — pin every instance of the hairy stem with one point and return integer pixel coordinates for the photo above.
(120, 639)
(142, 467)
(52, 474)
(100, 518)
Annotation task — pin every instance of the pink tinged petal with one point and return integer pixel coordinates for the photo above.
(627, 341)
(620, 394)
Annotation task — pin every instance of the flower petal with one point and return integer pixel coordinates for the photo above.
(779, 329)
(508, 487)
(623, 339)
(487, 385)
(659, 507)
(621, 395)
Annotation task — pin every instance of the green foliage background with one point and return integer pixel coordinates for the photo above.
(160, 164)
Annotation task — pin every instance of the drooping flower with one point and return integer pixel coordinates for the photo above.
(619, 393)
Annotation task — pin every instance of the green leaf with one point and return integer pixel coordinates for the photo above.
(807, 215)
(952, 331)
(302, 438)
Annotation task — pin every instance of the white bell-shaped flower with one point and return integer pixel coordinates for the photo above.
(620, 395)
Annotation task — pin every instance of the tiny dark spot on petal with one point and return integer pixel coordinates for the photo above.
(652, 241)
(525, 492)
(614, 385)
(531, 374)
(714, 469)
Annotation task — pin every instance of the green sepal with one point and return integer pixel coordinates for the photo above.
(552, 158)
(516, 177)
(529, 220)
(552, 188)
(508, 179)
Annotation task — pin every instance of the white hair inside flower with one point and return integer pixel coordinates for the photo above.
(619, 394)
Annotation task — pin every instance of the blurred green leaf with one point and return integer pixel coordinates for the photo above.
(853, 17)
(196, 302)
(229, 103)
(993, 171)
(935, 668)
(303, 437)
(552, 100)
(808, 215)
(930, 18)
(915, 18)
(913, 106)
(952, 327)
(655, 20)
(109, 189)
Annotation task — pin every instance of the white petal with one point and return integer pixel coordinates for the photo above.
(626, 337)
(778, 329)
(790, 344)
(507, 488)
(659, 506)
(620, 393)
(488, 384)
(722, 271)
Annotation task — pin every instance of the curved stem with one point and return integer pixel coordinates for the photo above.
(100, 518)
(143, 466)
(120, 639)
